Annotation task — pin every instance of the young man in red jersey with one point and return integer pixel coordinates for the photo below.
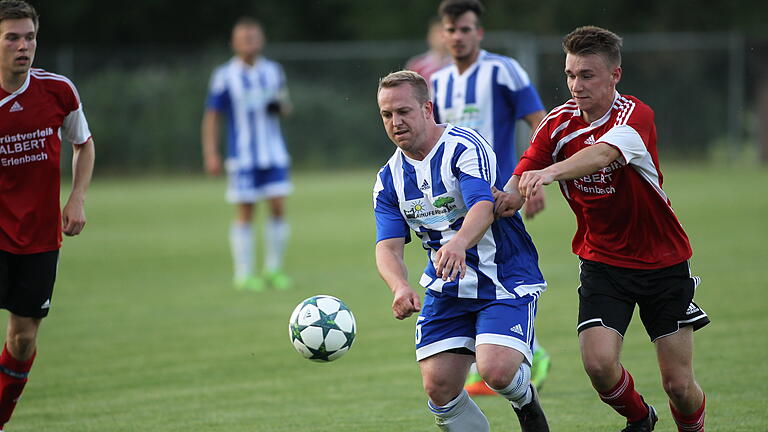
(36, 109)
(601, 147)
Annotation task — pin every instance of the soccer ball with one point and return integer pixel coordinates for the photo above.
(322, 328)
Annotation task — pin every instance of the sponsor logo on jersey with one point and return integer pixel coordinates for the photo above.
(425, 185)
(16, 107)
(692, 309)
(443, 209)
(46, 305)
(517, 329)
(590, 140)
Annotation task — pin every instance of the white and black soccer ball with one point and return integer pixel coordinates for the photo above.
(322, 328)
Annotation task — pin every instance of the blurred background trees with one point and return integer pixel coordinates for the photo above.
(142, 69)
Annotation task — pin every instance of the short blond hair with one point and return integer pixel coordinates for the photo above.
(417, 82)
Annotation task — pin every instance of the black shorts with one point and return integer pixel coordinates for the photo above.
(26, 282)
(608, 294)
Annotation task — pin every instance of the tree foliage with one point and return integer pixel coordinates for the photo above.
(139, 22)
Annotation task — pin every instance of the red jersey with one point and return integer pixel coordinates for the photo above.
(623, 216)
(427, 63)
(33, 119)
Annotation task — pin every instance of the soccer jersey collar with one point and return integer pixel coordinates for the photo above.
(577, 112)
(245, 66)
(18, 91)
(446, 127)
(480, 56)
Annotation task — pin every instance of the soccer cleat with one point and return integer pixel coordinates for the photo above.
(475, 386)
(250, 283)
(644, 425)
(277, 280)
(540, 367)
(531, 416)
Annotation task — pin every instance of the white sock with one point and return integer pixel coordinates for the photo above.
(276, 232)
(241, 244)
(519, 390)
(460, 415)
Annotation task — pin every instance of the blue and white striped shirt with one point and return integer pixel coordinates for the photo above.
(432, 196)
(489, 97)
(242, 92)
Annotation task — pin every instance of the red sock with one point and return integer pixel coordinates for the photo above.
(691, 422)
(13, 376)
(624, 399)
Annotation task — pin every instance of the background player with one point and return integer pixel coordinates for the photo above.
(488, 93)
(250, 93)
(601, 146)
(436, 57)
(482, 284)
(36, 109)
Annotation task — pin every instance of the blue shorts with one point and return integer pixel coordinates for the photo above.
(449, 323)
(251, 185)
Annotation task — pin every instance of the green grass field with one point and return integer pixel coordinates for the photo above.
(147, 334)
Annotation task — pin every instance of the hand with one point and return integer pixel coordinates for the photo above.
(274, 107)
(213, 165)
(450, 260)
(405, 303)
(506, 204)
(534, 205)
(73, 217)
(531, 182)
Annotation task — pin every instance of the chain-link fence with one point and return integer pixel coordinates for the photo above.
(145, 104)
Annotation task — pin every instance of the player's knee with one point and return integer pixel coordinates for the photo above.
(497, 376)
(677, 387)
(22, 345)
(440, 392)
(600, 367)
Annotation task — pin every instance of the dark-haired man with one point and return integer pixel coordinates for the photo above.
(249, 94)
(37, 110)
(601, 147)
(488, 93)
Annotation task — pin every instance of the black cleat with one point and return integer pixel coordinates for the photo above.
(644, 425)
(531, 416)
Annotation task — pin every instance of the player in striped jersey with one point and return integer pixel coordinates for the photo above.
(482, 276)
(488, 93)
(601, 147)
(250, 93)
(38, 110)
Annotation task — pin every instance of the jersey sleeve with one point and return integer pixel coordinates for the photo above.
(74, 127)
(631, 133)
(389, 221)
(475, 167)
(516, 87)
(218, 96)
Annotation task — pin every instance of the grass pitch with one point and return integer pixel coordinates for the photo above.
(147, 334)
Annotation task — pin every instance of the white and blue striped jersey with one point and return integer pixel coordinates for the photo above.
(432, 196)
(489, 97)
(241, 92)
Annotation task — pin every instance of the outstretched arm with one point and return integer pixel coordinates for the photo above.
(584, 162)
(391, 266)
(73, 214)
